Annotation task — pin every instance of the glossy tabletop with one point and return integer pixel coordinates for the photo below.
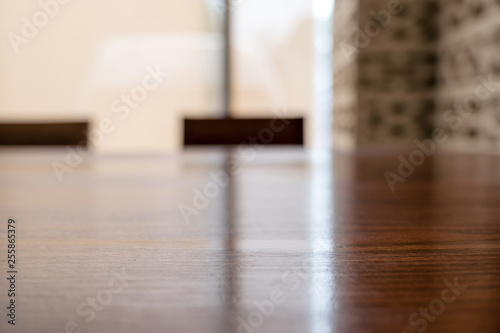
(270, 240)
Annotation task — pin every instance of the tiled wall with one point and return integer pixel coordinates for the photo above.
(397, 71)
(469, 48)
(394, 71)
(345, 68)
(423, 68)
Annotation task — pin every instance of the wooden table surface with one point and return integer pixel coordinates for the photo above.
(287, 243)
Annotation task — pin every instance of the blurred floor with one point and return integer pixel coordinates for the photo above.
(287, 243)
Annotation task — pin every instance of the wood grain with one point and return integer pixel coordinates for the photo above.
(325, 240)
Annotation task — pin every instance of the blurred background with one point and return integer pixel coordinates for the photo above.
(74, 60)
(401, 68)
(405, 69)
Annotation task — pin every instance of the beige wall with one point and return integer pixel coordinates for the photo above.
(49, 72)
(91, 52)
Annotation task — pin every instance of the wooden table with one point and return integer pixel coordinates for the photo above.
(287, 243)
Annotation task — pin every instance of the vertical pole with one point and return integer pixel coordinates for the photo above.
(227, 60)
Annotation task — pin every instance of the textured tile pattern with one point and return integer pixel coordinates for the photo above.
(392, 69)
(345, 67)
(468, 108)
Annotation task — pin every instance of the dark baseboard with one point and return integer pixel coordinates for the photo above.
(44, 134)
(234, 131)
